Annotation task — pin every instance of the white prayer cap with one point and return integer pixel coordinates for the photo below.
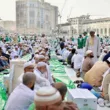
(75, 47)
(36, 51)
(108, 48)
(70, 48)
(108, 59)
(40, 49)
(104, 50)
(36, 46)
(88, 52)
(41, 57)
(49, 97)
(41, 64)
(28, 64)
(42, 53)
(10, 50)
(46, 47)
(36, 56)
(16, 46)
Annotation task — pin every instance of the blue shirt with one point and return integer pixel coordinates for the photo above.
(106, 57)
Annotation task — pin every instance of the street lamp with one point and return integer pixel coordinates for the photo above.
(60, 23)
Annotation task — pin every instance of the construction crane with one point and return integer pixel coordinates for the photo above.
(70, 13)
(60, 14)
(63, 6)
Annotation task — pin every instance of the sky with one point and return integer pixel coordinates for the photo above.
(96, 8)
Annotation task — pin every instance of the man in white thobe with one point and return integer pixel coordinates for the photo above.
(23, 95)
(76, 60)
(93, 43)
(104, 52)
(28, 67)
(43, 72)
(42, 59)
(65, 54)
(41, 82)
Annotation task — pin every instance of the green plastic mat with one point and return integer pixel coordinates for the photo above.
(32, 107)
(6, 71)
(67, 81)
(3, 95)
(59, 73)
(26, 57)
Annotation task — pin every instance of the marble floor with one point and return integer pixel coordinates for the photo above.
(72, 75)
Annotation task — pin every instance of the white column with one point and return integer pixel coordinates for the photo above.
(108, 30)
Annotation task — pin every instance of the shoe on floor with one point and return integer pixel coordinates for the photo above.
(101, 102)
(107, 103)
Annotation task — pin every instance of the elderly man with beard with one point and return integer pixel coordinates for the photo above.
(40, 81)
(28, 67)
(43, 59)
(93, 43)
(42, 72)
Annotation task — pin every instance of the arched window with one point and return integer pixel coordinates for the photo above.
(105, 31)
(97, 31)
(101, 31)
(109, 31)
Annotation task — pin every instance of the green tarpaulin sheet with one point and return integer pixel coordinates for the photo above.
(58, 71)
(26, 57)
(3, 95)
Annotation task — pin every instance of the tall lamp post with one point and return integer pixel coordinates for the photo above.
(60, 25)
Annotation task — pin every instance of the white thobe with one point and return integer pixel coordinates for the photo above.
(33, 61)
(77, 60)
(40, 81)
(13, 54)
(95, 48)
(104, 75)
(102, 56)
(20, 99)
(65, 54)
(4, 49)
(2, 44)
(50, 79)
(43, 40)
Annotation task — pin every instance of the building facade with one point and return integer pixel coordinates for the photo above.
(63, 30)
(7, 26)
(10, 26)
(35, 17)
(85, 24)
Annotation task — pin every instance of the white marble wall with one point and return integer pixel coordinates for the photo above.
(44, 9)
